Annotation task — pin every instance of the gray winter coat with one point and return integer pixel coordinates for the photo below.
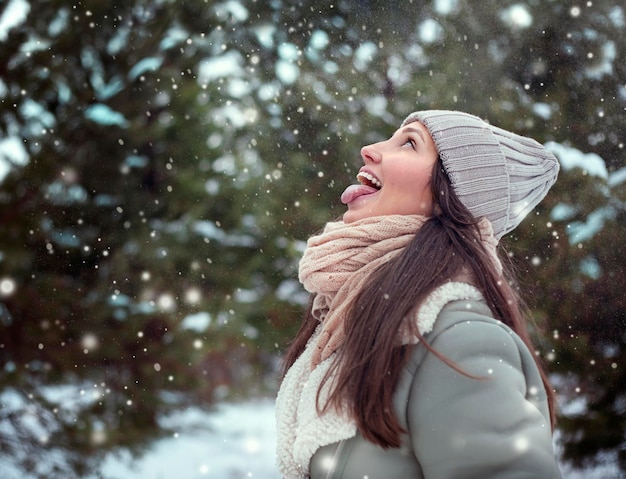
(458, 427)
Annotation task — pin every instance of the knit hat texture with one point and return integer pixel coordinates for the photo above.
(495, 173)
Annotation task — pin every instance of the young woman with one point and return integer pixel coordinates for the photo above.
(413, 360)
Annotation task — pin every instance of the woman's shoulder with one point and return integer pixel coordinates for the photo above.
(466, 315)
(467, 329)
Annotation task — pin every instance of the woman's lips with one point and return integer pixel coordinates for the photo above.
(354, 191)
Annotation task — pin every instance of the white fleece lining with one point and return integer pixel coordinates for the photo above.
(430, 309)
(300, 430)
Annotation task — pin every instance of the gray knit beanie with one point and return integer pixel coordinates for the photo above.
(495, 173)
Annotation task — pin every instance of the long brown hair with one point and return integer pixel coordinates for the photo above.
(369, 364)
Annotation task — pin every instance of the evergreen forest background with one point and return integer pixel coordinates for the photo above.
(162, 163)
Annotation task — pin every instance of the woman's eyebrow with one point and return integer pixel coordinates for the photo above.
(410, 129)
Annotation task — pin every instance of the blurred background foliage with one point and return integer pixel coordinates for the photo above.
(164, 161)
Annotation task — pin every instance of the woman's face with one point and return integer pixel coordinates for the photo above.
(395, 178)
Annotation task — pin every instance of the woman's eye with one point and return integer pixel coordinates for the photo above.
(409, 142)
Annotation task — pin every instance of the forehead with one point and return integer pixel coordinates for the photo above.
(415, 127)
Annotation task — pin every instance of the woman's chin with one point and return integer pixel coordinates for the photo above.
(353, 215)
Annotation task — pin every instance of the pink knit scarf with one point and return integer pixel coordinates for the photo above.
(337, 263)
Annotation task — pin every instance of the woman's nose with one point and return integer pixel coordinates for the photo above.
(370, 153)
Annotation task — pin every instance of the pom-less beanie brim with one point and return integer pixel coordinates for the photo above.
(495, 173)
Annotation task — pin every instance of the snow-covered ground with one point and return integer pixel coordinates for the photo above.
(237, 441)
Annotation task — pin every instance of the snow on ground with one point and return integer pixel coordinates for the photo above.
(235, 442)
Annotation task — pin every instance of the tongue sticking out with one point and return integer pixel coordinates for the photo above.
(354, 191)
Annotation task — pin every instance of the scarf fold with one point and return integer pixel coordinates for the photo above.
(337, 263)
